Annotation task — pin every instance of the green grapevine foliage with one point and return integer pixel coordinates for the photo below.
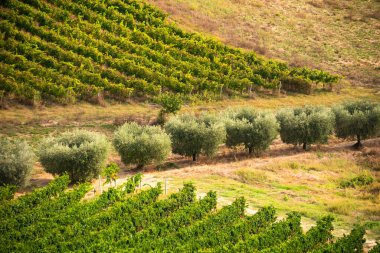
(124, 219)
(63, 51)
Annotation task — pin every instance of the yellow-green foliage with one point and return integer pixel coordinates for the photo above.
(64, 51)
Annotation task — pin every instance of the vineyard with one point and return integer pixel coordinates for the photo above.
(304, 195)
(134, 219)
(63, 51)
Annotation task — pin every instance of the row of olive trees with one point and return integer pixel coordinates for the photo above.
(83, 154)
(314, 124)
(192, 136)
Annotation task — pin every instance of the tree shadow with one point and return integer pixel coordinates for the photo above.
(227, 156)
(33, 184)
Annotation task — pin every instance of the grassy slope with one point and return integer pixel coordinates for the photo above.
(287, 178)
(340, 36)
(291, 179)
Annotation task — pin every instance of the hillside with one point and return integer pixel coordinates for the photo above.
(63, 51)
(120, 221)
(180, 126)
(339, 36)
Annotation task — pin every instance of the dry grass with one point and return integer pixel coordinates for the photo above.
(33, 123)
(340, 36)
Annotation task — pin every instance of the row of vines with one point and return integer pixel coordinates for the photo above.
(127, 219)
(62, 51)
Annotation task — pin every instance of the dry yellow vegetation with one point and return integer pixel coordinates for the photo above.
(339, 36)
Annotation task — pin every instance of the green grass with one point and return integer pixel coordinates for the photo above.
(293, 188)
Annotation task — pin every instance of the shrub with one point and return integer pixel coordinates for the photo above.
(357, 181)
(16, 162)
(141, 145)
(297, 84)
(376, 248)
(193, 136)
(254, 130)
(111, 173)
(171, 103)
(307, 125)
(82, 154)
(359, 119)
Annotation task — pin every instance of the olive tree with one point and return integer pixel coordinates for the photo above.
(255, 130)
(360, 119)
(141, 145)
(192, 136)
(81, 154)
(16, 162)
(306, 125)
(170, 103)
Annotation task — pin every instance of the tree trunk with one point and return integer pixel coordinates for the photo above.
(194, 157)
(250, 150)
(358, 144)
(304, 146)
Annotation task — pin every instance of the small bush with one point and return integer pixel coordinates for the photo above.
(307, 125)
(295, 166)
(358, 181)
(111, 173)
(141, 145)
(376, 248)
(297, 84)
(171, 103)
(256, 131)
(192, 136)
(82, 154)
(16, 162)
(359, 119)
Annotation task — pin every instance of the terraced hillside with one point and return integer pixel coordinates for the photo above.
(63, 51)
(53, 219)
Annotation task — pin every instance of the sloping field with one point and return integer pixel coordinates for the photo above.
(63, 51)
(339, 36)
(52, 219)
(58, 55)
